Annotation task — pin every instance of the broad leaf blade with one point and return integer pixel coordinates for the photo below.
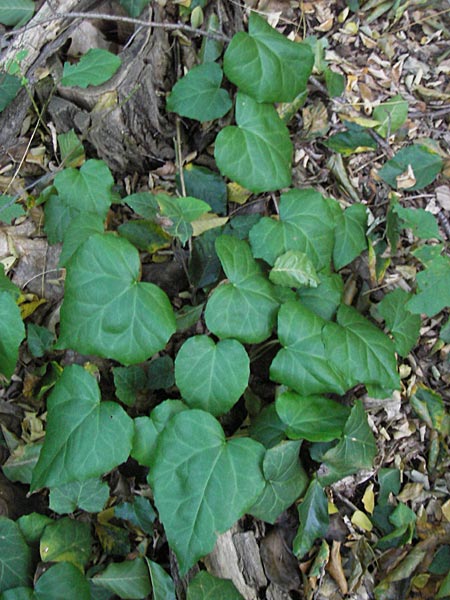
(12, 334)
(313, 513)
(106, 311)
(404, 326)
(129, 579)
(350, 235)
(205, 586)
(425, 165)
(192, 471)
(325, 299)
(62, 580)
(15, 558)
(391, 115)
(16, 12)
(85, 438)
(95, 67)
(257, 152)
(163, 586)
(433, 288)
(66, 540)
(294, 269)
(9, 86)
(266, 65)
(90, 495)
(178, 214)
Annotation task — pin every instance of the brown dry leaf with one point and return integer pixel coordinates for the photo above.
(407, 179)
(334, 567)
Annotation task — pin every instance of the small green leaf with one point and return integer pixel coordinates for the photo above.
(212, 376)
(85, 437)
(355, 139)
(430, 407)
(18, 593)
(177, 214)
(314, 520)
(421, 222)
(391, 115)
(285, 478)
(15, 557)
(312, 418)
(6, 285)
(205, 586)
(257, 152)
(145, 235)
(129, 579)
(129, 381)
(294, 269)
(134, 7)
(404, 326)
(139, 512)
(211, 48)
(106, 311)
(9, 86)
(39, 339)
(206, 185)
(425, 164)
(62, 580)
(266, 65)
(193, 470)
(245, 308)
(143, 204)
(160, 373)
(444, 588)
(303, 363)
(306, 224)
(66, 540)
(94, 67)
(20, 463)
(12, 334)
(325, 299)
(16, 12)
(433, 284)
(350, 235)
(32, 526)
(71, 149)
(267, 427)
(163, 587)
(198, 94)
(335, 83)
(90, 495)
(78, 231)
(356, 450)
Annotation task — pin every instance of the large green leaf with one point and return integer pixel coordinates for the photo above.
(324, 299)
(356, 449)
(32, 526)
(198, 94)
(163, 586)
(314, 520)
(202, 484)
(66, 540)
(12, 333)
(178, 214)
(350, 235)
(303, 363)
(16, 12)
(62, 580)
(90, 495)
(424, 163)
(433, 284)
(94, 67)
(15, 556)
(257, 153)
(129, 579)
(267, 427)
(206, 185)
(106, 311)
(404, 326)
(285, 478)
(205, 586)
(313, 418)
(363, 352)
(85, 437)
(246, 307)
(18, 593)
(10, 209)
(80, 228)
(266, 65)
(212, 376)
(306, 224)
(422, 223)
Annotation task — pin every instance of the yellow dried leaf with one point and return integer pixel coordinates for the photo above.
(206, 222)
(368, 499)
(236, 193)
(332, 508)
(446, 510)
(28, 303)
(361, 520)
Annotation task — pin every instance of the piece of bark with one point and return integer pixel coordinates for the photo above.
(280, 564)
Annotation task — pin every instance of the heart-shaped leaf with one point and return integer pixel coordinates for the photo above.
(257, 153)
(66, 540)
(12, 333)
(106, 311)
(79, 230)
(246, 307)
(306, 224)
(324, 299)
(294, 269)
(425, 165)
(90, 495)
(62, 580)
(350, 235)
(177, 214)
(95, 67)
(129, 579)
(303, 363)
(404, 326)
(198, 94)
(85, 437)
(312, 418)
(202, 483)
(314, 520)
(266, 65)
(212, 376)
(433, 292)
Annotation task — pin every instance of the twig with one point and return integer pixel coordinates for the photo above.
(106, 17)
(180, 158)
(381, 142)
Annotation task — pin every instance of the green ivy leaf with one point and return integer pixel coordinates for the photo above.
(80, 228)
(314, 520)
(303, 363)
(444, 588)
(145, 235)
(404, 326)
(178, 214)
(430, 407)
(62, 580)
(66, 540)
(94, 67)
(139, 512)
(16, 12)
(266, 65)
(246, 307)
(71, 149)
(32, 526)
(257, 153)
(205, 586)
(12, 334)
(129, 381)
(143, 204)
(129, 579)
(212, 376)
(134, 7)
(9, 86)
(21, 462)
(163, 587)
(90, 495)
(106, 311)
(425, 164)
(6, 285)
(198, 94)
(192, 471)
(18, 593)
(335, 83)
(433, 284)
(306, 224)
(312, 418)
(294, 269)
(362, 351)
(421, 222)
(15, 558)
(356, 449)
(285, 478)
(324, 299)
(267, 427)
(39, 339)
(391, 115)
(354, 140)
(206, 185)
(85, 437)
(350, 234)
